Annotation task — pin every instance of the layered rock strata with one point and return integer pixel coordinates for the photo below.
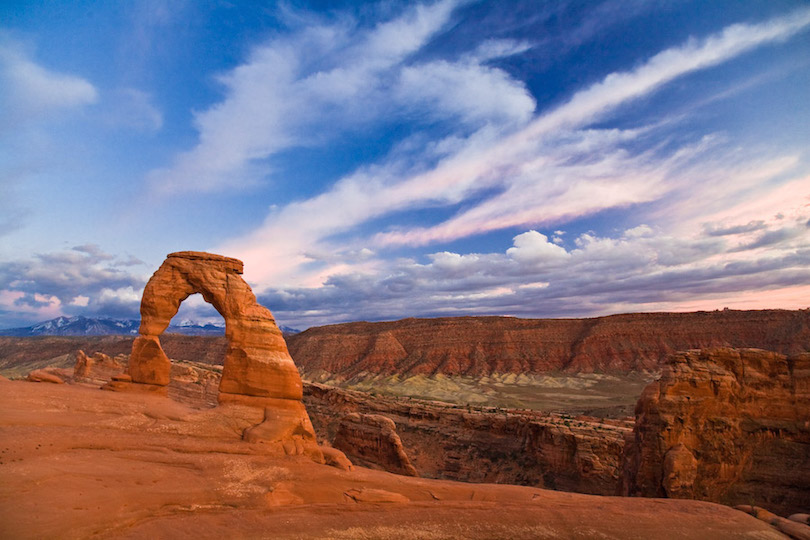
(485, 444)
(98, 368)
(371, 440)
(481, 346)
(725, 425)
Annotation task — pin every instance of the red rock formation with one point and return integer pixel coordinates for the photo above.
(257, 362)
(98, 368)
(371, 440)
(485, 444)
(794, 528)
(725, 425)
(79, 463)
(479, 346)
(42, 375)
(258, 370)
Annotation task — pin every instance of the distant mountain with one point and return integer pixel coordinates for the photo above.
(76, 326)
(91, 326)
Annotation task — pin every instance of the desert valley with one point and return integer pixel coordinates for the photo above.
(675, 425)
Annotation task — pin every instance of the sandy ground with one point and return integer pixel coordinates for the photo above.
(77, 462)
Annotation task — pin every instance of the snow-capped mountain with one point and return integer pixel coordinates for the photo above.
(90, 326)
(76, 326)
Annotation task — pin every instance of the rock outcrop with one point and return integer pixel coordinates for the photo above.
(793, 527)
(258, 370)
(480, 346)
(725, 425)
(478, 444)
(79, 463)
(371, 440)
(98, 368)
(43, 375)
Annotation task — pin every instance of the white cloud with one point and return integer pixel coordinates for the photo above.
(80, 301)
(297, 90)
(533, 246)
(469, 91)
(638, 269)
(31, 89)
(552, 170)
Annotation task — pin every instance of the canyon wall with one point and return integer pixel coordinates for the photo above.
(371, 440)
(486, 444)
(479, 346)
(725, 425)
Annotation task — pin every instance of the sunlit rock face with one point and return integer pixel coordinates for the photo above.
(725, 425)
(256, 363)
(371, 440)
(258, 370)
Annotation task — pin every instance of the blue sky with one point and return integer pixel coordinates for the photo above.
(381, 160)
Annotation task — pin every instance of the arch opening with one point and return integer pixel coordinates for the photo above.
(256, 362)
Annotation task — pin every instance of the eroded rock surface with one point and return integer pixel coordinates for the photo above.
(79, 463)
(98, 368)
(258, 370)
(257, 362)
(485, 444)
(44, 375)
(371, 440)
(480, 346)
(725, 425)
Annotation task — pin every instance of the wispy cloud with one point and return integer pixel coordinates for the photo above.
(552, 169)
(29, 90)
(299, 90)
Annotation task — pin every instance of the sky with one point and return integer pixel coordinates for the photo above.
(382, 160)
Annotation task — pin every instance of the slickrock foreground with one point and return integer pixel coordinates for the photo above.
(77, 462)
(726, 425)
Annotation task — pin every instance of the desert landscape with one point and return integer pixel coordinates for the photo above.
(405, 269)
(243, 446)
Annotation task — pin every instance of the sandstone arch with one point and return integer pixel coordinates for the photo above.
(257, 362)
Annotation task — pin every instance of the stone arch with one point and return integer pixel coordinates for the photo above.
(257, 362)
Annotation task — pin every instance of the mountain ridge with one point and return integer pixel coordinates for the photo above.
(106, 326)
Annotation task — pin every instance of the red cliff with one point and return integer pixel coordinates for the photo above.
(478, 346)
(725, 425)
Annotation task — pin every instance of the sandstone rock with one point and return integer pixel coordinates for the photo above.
(481, 445)
(41, 375)
(78, 463)
(256, 363)
(372, 440)
(793, 529)
(804, 519)
(282, 497)
(4, 379)
(724, 425)
(478, 346)
(97, 368)
(258, 371)
(680, 471)
(370, 495)
(335, 458)
(286, 421)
